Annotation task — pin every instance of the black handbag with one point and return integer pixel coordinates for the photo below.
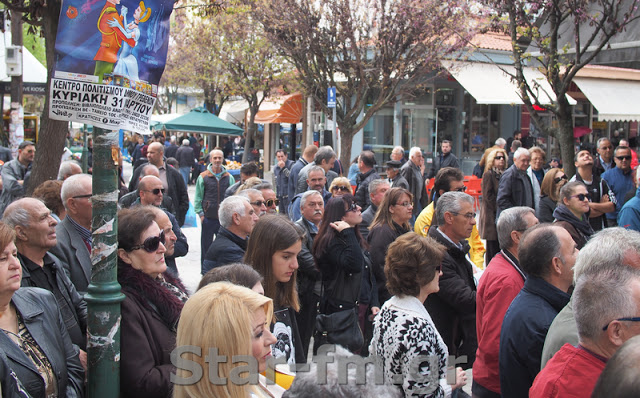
(339, 328)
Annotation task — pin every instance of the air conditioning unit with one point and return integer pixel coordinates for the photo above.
(13, 60)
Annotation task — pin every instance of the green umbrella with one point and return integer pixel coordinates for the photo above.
(200, 120)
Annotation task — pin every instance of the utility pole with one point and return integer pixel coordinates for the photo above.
(16, 40)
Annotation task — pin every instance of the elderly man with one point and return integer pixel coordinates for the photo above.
(445, 159)
(393, 173)
(175, 242)
(499, 285)
(366, 165)
(593, 255)
(316, 180)
(270, 200)
(186, 160)
(515, 188)
(536, 172)
(67, 169)
(620, 181)
(413, 172)
(151, 192)
(129, 199)
(237, 218)
(603, 326)
(604, 161)
(309, 278)
(325, 158)
(547, 254)
(171, 181)
(74, 231)
(600, 202)
(14, 173)
(307, 157)
(501, 142)
(453, 308)
(210, 188)
(377, 189)
(256, 200)
(35, 236)
(397, 154)
(172, 149)
(281, 172)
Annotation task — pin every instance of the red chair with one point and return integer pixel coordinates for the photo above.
(474, 188)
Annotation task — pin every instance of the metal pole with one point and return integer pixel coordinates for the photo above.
(333, 135)
(85, 150)
(104, 296)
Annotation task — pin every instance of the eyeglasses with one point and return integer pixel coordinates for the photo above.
(499, 158)
(271, 202)
(258, 203)
(461, 189)
(352, 207)
(341, 188)
(558, 179)
(626, 157)
(87, 196)
(151, 244)
(582, 196)
(405, 204)
(469, 216)
(630, 319)
(606, 148)
(155, 191)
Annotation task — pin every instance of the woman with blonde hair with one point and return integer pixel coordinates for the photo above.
(495, 165)
(549, 194)
(340, 186)
(234, 321)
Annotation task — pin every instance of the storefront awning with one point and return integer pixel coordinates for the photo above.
(284, 109)
(234, 111)
(614, 99)
(489, 84)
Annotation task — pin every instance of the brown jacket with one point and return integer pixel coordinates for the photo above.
(487, 218)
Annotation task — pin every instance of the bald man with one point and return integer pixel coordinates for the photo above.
(133, 197)
(151, 191)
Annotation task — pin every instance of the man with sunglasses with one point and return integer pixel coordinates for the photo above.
(130, 198)
(271, 202)
(620, 180)
(256, 200)
(602, 198)
(151, 192)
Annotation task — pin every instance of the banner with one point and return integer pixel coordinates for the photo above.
(110, 56)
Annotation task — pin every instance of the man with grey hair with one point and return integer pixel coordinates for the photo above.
(35, 236)
(368, 173)
(595, 255)
(515, 188)
(453, 308)
(270, 200)
(309, 278)
(604, 160)
(325, 158)
(377, 189)
(237, 218)
(67, 169)
(397, 154)
(501, 282)
(186, 160)
(603, 326)
(316, 181)
(256, 200)
(413, 172)
(74, 231)
(501, 142)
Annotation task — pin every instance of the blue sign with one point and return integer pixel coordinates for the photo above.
(331, 97)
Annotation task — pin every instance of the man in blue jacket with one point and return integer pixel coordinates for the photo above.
(547, 255)
(620, 181)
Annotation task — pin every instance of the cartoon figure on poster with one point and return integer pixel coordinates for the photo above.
(127, 63)
(112, 38)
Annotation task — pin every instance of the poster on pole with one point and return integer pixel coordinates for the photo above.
(110, 55)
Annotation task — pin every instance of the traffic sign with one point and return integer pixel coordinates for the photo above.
(331, 97)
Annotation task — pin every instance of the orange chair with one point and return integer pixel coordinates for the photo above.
(474, 188)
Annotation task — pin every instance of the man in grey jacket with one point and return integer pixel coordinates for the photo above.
(14, 173)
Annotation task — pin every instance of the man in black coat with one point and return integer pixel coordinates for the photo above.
(366, 164)
(515, 187)
(172, 149)
(186, 160)
(171, 179)
(395, 177)
(453, 308)
(445, 159)
(377, 189)
(413, 172)
(237, 218)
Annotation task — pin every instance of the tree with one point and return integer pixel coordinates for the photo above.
(371, 51)
(541, 27)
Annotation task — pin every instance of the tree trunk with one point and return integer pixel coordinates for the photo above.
(52, 132)
(251, 132)
(565, 137)
(346, 141)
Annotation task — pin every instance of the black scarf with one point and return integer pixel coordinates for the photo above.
(562, 213)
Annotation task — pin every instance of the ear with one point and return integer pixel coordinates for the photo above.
(556, 264)
(124, 256)
(235, 218)
(615, 333)
(515, 237)
(441, 192)
(448, 218)
(21, 232)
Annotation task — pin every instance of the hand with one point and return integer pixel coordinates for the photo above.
(20, 182)
(123, 11)
(281, 164)
(113, 23)
(201, 219)
(375, 310)
(604, 199)
(461, 379)
(340, 225)
(82, 356)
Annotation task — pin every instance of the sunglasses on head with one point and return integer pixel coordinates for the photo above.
(271, 202)
(352, 207)
(155, 191)
(341, 188)
(582, 196)
(151, 244)
(558, 179)
(626, 157)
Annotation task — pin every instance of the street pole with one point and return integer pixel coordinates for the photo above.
(104, 296)
(16, 40)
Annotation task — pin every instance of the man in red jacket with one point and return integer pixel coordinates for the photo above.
(498, 286)
(603, 326)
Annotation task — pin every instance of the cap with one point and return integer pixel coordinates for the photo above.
(396, 164)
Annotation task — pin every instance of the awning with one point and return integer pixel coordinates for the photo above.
(234, 111)
(489, 84)
(284, 109)
(614, 99)
(200, 120)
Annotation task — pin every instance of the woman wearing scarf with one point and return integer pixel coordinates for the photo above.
(572, 212)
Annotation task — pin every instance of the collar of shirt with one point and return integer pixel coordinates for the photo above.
(314, 228)
(84, 233)
(458, 245)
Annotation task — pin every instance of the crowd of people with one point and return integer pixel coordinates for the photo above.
(415, 286)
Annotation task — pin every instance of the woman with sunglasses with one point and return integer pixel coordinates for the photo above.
(404, 333)
(340, 186)
(495, 165)
(572, 212)
(151, 308)
(549, 191)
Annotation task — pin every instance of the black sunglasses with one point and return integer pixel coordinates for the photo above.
(151, 244)
(155, 191)
(558, 179)
(626, 157)
(499, 158)
(352, 207)
(341, 188)
(258, 203)
(630, 319)
(582, 196)
(271, 202)
(461, 189)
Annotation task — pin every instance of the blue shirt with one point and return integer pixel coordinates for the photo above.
(629, 215)
(620, 183)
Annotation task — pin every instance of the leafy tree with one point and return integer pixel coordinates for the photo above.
(372, 51)
(539, 30)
